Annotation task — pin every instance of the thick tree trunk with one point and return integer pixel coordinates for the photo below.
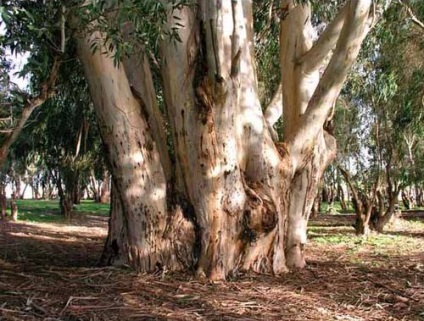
(113, 252)
(304, 190)
(234, 199)
(232, 172)
(201, 97)
(143, 228)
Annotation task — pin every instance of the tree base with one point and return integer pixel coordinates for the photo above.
(295, 257)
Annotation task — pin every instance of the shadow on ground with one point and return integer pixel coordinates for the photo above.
(47, 272)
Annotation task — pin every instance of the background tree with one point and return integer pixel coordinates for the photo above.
(64, 135)
(29, 32)
(388, 95)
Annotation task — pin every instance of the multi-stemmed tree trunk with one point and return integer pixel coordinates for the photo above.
(387, 214)
(233, 198)
(363, 203)
(100, 191)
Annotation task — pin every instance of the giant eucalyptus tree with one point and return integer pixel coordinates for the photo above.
(226, 193)
(232, 198)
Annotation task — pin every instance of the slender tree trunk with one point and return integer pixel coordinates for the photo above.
(325, 194)
(22, 194)
(47, 187)
(406, 200)
(65, 202)
(17, 189)
(94, 188)
(316, 207)
(420, 196)
(13, 207)
(105, 189)
(30, 104)
(77, 190)
(3, 202)
(342, 198)
(331, 199)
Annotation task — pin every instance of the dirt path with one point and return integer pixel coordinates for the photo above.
(47, 272)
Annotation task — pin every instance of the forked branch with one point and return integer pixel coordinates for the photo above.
(274, 111)
(47, 90)
(353, 32)
(314, 58)
(411, 14)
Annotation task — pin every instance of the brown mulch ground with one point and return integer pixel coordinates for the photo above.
(47, 273)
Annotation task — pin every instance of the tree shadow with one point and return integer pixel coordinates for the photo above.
(405, 233)
(55, 269)
(58, 245)
(327, 220)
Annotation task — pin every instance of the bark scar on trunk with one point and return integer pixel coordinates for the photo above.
(260, 213)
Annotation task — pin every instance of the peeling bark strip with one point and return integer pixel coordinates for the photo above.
(233, 199)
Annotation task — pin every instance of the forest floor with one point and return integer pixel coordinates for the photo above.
(47, 272)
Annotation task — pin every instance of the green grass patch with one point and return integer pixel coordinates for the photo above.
(88, 206)
(42, 211)
(336, 208)
(339, 239)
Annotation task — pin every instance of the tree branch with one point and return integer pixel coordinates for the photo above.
(62, 30)
(274, 110)
(355, 194)
(315, 56)
(47, 90)
(347, 49)
(411, 14)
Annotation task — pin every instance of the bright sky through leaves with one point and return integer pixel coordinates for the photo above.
(18, 62)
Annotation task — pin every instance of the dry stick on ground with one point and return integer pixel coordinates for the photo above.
(47, 90)
(411, 14)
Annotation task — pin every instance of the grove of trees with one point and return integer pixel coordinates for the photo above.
(217, 119)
